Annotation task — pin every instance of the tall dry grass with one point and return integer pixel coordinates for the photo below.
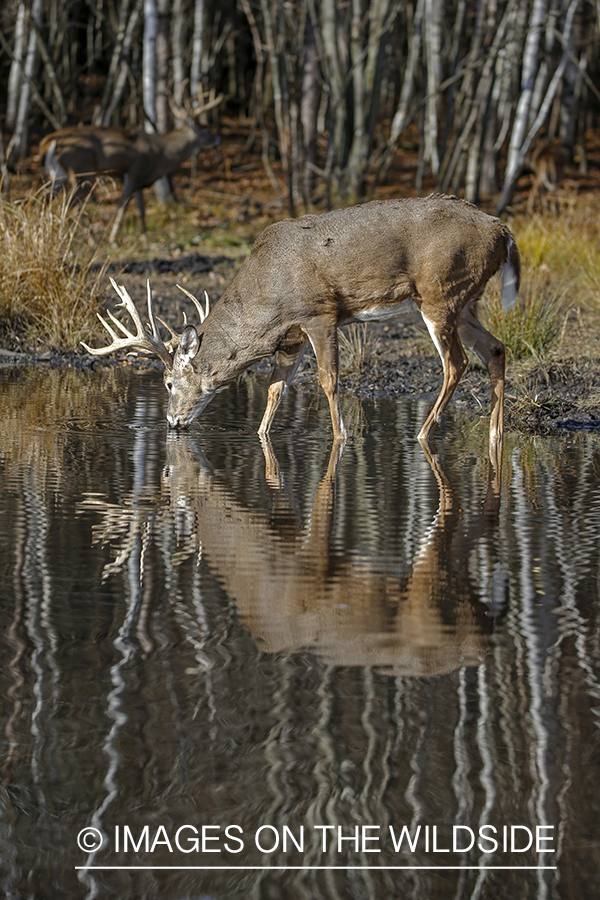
(49, 283)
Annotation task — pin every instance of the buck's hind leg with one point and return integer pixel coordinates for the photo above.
(286, 364)
(491, 352)
(444, 334)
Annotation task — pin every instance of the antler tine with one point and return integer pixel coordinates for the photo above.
(201, 312)
(146, 340)
(210, 103)
(173, 341)
(151, 317)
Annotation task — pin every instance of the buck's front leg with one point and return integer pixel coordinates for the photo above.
(325, 344)
(286, 363)
(491, 352)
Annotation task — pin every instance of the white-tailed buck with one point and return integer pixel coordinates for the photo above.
(307, 276)
(84, 151)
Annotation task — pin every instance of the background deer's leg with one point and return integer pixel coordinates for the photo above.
(325, 344)
(444, 333)
(491, 352)
(118, 220)
(141, 205)
(286, 363)
(123, 203)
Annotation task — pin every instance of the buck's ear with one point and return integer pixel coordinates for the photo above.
(189, 344)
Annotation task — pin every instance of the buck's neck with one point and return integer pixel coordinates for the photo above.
(233, 338)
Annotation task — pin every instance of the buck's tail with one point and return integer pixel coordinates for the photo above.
(511, 274)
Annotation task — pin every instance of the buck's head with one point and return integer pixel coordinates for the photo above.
(188, 388)
(192, 115)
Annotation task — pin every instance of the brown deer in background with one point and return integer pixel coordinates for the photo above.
(140, 159)
(307, 276)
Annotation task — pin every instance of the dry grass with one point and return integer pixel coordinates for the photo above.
(354, 348)
(49, 286)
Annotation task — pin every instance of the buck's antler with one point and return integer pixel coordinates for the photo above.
(147, 339)
(204, 102)
(201, 312)
(196, 107)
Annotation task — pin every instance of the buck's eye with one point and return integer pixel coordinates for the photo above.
(169, 385)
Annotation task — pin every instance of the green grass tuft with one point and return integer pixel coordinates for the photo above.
(533, 326)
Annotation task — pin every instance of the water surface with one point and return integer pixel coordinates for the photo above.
(299, 654)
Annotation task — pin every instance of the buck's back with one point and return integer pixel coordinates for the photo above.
(378, 252)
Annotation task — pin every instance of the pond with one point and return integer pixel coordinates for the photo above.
(234, 669)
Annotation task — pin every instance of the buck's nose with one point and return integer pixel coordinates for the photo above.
(174, 421)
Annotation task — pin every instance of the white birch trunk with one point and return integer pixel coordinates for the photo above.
(433, 44)
(149, 65)
(530, 64)
(521, 151)
(197, 49)
(177, 51)
(18, 144)
(401, 116)
(15, 78)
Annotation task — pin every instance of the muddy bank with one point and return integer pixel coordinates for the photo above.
(561, 393)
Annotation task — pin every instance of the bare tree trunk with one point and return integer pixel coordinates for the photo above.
(519, 152)
(573, 84)
(309, 110)
(177, 50)
(4, 177)
(149, 64)
(433, 43)
(336, 80)
(359, 146)
(365, 53)
(458, 152)
(162, 65)
(197, 49)
(404, 110)
(118, 71)
(15, 78)
(258, 90)
(17, 147)
(154, 42)
(283, 130)
(50, 76)
(530, 63)
(485, 115)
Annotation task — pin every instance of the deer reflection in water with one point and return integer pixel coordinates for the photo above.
(295, 592)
